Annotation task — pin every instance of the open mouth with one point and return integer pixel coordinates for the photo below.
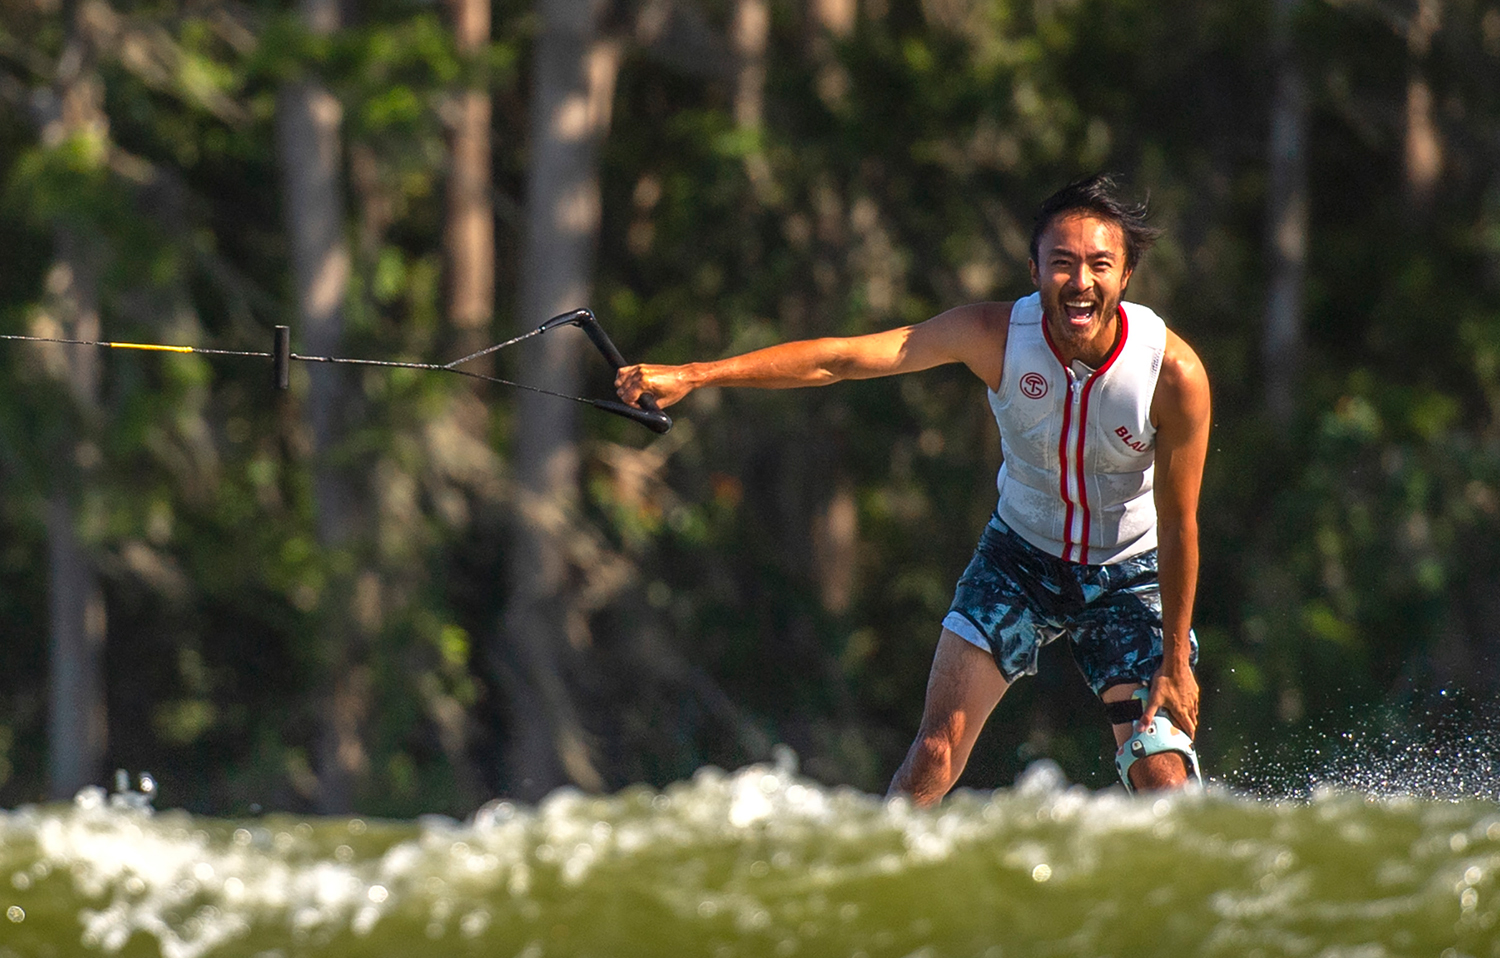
(1079, 311)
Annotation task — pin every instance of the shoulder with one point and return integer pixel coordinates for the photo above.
(1180, 365)
(978, 319)
(970, 328)
(1182, 390)
(980, 331)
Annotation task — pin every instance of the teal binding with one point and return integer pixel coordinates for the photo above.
(1160, 736)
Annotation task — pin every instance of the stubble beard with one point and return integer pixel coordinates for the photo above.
(1082, 337)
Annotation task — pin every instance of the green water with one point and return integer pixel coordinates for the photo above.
(761, 862)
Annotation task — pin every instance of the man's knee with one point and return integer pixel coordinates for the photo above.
(1158, 756)
(934, 749)
(1164, 770)
(929, 770)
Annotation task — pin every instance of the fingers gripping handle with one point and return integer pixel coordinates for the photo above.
(649, 415)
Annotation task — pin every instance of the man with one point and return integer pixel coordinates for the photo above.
(1104, 419)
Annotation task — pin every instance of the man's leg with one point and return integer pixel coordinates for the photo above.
(1160, 771)
(962, 689)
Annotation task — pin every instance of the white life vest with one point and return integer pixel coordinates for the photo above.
(1079, 446)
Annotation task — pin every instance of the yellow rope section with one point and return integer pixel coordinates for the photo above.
(153, 346)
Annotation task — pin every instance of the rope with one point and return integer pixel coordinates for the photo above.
(647, 414)
(339, 360)
(148, 346)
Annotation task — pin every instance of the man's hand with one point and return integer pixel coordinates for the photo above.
(1175, 690)
(666, 384)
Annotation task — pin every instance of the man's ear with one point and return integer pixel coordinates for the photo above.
(1125, 280)
(1036, 278)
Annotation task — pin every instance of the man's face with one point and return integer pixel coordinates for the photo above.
(1082, 276)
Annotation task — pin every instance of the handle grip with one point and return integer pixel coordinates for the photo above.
(649, 415)
(653, 419)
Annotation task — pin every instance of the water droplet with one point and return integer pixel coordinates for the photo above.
(378, 893)
(474, 923)
(16, 914)
(1041, 873)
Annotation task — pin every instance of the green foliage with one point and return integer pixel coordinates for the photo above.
(788, 555)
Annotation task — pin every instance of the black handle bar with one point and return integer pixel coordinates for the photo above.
(649, 415)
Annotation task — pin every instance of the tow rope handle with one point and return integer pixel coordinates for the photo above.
(649, 415)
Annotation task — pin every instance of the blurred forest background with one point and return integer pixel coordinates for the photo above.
(400, 592)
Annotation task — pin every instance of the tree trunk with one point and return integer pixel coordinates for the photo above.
(1424, 145)
(78, 728)
(1282, 345)
(829, 21)
(77, 715)
(470, 226)
(835, 16)
(541, 635)
(308, 129)
(750, 36)
(469, 243)
(752, 29)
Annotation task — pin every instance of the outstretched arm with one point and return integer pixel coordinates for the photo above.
(1181, 410)
(973, 334)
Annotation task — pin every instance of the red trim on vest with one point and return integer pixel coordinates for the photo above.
(1062, 458)
(1082, 543)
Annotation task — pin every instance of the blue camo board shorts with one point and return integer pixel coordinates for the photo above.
(1014, 598)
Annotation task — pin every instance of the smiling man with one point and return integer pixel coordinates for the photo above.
(1104, 418)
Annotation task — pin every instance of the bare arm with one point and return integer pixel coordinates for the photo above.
(973, 335)
(1181, 410)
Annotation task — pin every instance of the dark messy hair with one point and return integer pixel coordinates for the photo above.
(1097, 195)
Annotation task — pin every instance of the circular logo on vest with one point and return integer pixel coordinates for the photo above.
(1033, 385)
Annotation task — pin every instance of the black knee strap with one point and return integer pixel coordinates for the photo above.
(1121, 713)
